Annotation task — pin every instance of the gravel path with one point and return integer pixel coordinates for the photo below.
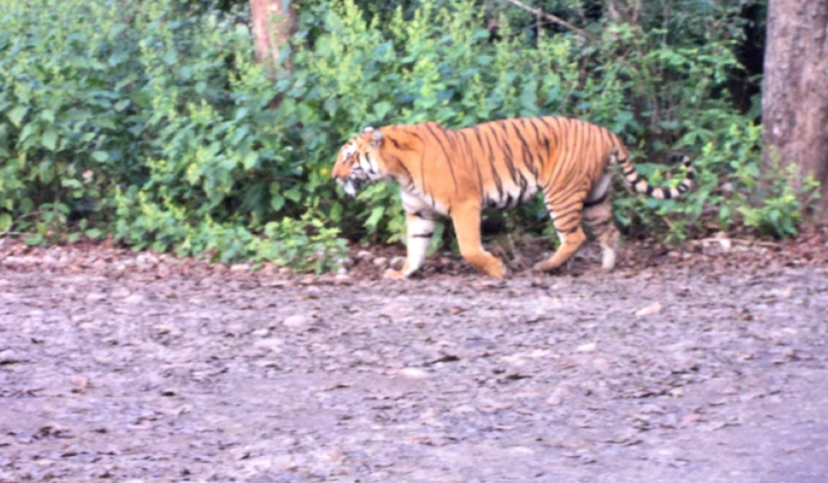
(657, 375)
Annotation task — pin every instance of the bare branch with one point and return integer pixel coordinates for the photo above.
(552, 18)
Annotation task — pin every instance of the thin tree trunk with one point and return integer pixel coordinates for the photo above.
(273, 25)
(795, 93)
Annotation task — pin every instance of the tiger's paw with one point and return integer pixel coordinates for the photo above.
(497, 271)
(392, 274)
(544, 266)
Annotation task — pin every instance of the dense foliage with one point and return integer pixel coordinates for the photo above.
(149, 122)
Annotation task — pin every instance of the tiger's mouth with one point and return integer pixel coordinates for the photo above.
(351, 186)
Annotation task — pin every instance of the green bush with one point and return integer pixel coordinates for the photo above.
(149, 121)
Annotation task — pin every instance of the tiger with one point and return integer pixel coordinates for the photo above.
(498, 165)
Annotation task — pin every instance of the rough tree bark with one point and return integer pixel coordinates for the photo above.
(795, 93)
(273, 25)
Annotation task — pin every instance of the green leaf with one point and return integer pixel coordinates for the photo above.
(49, 139)
(16, 115)
(48, 115)
(100, 156)
(330, 106)
(277, 201)
(5, 221)
(93, 233)
(27, 131)
(250, 160)
(34, 240)
(436, 238)
(171, 57)
(294, 193)
(375, 217)
(381, 109)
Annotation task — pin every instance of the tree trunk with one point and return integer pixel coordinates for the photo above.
(795, 93)
(273, 25)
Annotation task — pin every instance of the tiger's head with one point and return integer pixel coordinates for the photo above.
(359, 161)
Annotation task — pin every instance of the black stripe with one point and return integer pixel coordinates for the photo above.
(470, 158)
(598, 222)
(498, 181)
(399, 162)
(555, 132)
(504, 147)
(569, 206)
(509, 200)
(569, 231)
(423, 235)
(527, 153)
(416, 135)
(445, 152)
(591, 203)
(536, 150)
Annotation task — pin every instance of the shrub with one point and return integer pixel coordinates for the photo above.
(149, 121)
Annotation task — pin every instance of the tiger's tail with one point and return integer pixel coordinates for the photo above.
(641, 184)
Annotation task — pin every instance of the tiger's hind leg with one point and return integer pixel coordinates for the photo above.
(598, 218)
(566, 217)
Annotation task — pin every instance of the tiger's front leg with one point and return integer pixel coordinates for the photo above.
(467, 225)
(419, 231)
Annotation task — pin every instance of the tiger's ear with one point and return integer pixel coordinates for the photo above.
(376, 139)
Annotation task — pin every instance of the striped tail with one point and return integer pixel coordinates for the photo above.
(641, 184)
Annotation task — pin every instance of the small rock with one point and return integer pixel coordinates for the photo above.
(557, 397)
(414, 373)
(397, 263)
(274, 344)
(652, 409)
(24, 438)
(380, 262)
(296, 321)
(95, 297)
(121, 293)
(651, 309)
(587, 348)
(145, 260)
(364, 255)
(134, 299)
(240, 267)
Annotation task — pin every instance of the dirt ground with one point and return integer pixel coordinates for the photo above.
(705, 364)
